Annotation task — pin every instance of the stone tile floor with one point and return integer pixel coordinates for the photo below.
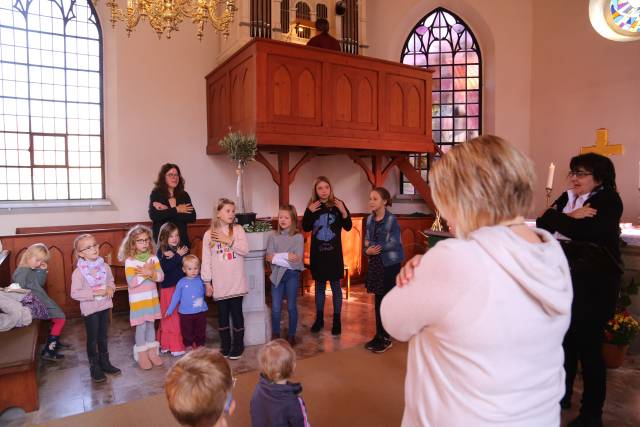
(65, 388)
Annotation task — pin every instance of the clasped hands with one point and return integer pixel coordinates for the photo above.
(104, 292)
(291, 256)
(315, 206)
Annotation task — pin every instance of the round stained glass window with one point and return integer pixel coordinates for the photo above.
(617, 20)
(626, 14)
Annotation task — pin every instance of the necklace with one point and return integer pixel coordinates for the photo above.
(519, 220)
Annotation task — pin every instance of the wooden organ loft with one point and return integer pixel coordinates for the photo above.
(302, 99)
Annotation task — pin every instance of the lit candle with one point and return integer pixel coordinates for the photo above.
(552, 169)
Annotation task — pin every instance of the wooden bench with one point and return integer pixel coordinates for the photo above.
(18, 382)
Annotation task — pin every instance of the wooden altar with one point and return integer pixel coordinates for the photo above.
(298, 98)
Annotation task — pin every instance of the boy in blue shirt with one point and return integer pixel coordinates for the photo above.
(189, 295)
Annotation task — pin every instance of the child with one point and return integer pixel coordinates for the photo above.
(32, 274)
(142, 270)
(285, 251)
(193, 310)
(276, 401)
(383, 246)
(325, 217)
(198, 388)
(224, 246)
(170, 253)
(92, 285)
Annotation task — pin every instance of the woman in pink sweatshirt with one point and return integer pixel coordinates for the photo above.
(224, 247)
(485, 312)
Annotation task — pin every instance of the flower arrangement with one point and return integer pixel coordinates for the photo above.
(257, 227)
(242, 149)
(622, 329)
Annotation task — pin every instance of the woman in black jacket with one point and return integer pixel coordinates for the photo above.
(169, 202)
(587, 218)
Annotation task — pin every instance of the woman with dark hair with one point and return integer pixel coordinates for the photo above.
(169, 202)
(586, 220)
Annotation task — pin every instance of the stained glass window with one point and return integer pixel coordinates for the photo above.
(441, 41)
(626, 14)
(50, 101)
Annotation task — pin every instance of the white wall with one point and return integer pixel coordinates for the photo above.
(581, 82)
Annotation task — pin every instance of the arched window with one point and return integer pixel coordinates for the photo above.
(321, 11)
(617, 20)
(303, 12)
(51, 145)
(284, 17)
(441, 41)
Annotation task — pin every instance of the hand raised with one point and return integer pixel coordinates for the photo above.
(406, 273)
(313, 207)
(168, 254)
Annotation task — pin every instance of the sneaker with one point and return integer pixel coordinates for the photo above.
(164, 351)
(372, 344)
(234, 354)
(178, 353)
(382, 347)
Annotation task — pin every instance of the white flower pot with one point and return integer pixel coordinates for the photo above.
(258, 241)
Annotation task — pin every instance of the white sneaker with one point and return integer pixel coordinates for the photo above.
(177, 353)
(163, 351)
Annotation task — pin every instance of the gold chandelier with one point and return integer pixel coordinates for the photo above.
(165, 16)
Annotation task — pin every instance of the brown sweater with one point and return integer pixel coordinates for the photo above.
(324, 41)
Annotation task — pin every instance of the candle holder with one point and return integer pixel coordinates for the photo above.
(548, 191)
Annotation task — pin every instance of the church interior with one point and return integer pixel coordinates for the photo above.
(93, 101)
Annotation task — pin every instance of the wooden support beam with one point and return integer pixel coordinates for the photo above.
(305, 159)
(416, 180)
(360, 162)
(274, 173)
(283, 169)
(377, 170)
(390, 165)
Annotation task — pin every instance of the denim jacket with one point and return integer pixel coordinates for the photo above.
(392, 251)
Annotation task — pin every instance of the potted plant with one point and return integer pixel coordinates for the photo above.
(619, 333)
(257, 233)
(241, 149)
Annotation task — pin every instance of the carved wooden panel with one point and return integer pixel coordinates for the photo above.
(293, 94)
(406, 106)
(353, 95)
(242, 94)
(218, 109)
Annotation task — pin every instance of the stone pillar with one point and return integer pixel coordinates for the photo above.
(257, 319)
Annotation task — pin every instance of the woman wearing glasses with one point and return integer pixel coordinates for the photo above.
(169, 202)
(586, 220)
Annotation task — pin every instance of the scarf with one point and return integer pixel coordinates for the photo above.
(143, 256)
(94, 272)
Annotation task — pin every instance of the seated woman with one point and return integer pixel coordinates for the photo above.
(586, 218)
(484, 313)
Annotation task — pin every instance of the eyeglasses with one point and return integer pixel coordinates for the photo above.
(172, 175)
(95, 245)
(142, 240)
(578, 174)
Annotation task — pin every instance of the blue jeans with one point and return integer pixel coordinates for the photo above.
(336, 292)
(288, 286)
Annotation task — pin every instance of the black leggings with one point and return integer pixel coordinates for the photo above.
(96, 326)
(233, 307)
(390, 274)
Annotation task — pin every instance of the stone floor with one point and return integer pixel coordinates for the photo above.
(66, 388)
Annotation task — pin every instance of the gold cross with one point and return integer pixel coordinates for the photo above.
(602, 145)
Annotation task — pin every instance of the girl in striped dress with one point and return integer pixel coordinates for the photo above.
(143, 271)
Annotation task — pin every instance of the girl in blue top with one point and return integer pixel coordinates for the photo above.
(383, 246)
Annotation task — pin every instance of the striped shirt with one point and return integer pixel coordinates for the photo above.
(144, 305)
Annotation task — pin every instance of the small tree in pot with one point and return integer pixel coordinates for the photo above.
(241, 149)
